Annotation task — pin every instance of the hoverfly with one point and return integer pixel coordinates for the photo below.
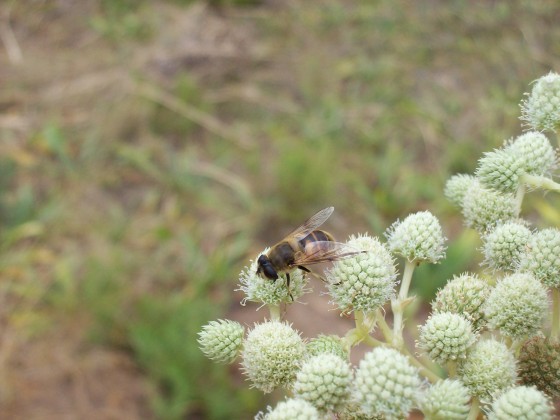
(303, 246)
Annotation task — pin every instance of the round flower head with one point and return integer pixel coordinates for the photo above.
(501, 170)
(365, 281)
(541, 109)
(539, 157)
(517, 306)
(504, 246)
(291, 409)
(272, 354)
(539, 365)
(327, 344)
(221, 340)
(386, 384)
(542, 258)
(446, 400)
(463, 295)
(271, 292)
(488, 368)
(521, 403)
(456, 187)
(417, 238)
(484, 208)
(446, 336)
(324, 381)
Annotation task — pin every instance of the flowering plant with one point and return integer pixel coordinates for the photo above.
(491, 344)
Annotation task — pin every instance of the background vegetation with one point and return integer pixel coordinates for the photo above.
(149, 149)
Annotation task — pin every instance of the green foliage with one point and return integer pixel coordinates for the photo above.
(162, 336)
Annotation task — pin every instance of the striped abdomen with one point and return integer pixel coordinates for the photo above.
(316, 236)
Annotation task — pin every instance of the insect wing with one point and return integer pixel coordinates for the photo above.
(324, 251)
(311, 224)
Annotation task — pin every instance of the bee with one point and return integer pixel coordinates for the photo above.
(306, 245)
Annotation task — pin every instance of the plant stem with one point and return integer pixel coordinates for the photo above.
(383, 326)
(274, 312)
(540, 182)
(452, 368)
(423, 370)
(399, 304)
(555, 333)
(475, 409)
(519, 197)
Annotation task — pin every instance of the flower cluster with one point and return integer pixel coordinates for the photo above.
(492, 332)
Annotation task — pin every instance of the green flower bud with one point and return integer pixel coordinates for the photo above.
(541, 109)
(521, 403)
(291, 409)
(539, 365)
(504, 246)
(484, 208)
(324, 381)
(446, 336)
(221, 340)
(417, 238)
(464, 295)
(386, 384)
(517, 306)
(542, 257)
(446, 400)
(488, 368)
(539, 157)
(365, 281)
(327, 344)
(501, 170)
(272, 354)
(456, 188)
(270, 292)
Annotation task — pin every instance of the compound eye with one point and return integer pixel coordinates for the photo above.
(270, 272)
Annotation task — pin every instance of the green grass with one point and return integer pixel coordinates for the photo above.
(147, 185)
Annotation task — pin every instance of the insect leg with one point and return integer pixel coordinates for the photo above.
(307, 270)
(288, 285)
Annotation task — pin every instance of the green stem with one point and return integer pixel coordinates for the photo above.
(399, 304)
(475, 409)
(452, 368)
(274, 312)
(383, 326)
(540, 182)
(519, 197)
(364, 325)
(555, 334)
(423, 370)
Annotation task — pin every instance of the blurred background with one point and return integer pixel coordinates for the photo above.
(150, 149)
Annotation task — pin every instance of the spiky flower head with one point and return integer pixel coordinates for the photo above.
(272, 354)
(290, 409)
(363, 282)
(501, 170)
(324, 381)
(386, 384)
(534, 148)
(541, 109)
(521, 403)
(456, 187)
(270, 292)
(446, 400)
(464, 295)
(539, 365)
(221, 340)
(542, 257)
(488, 368)
(517, 306)
(484, 208)
(327, 344)
(417, 238)
(505, 244)
(446, 337)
